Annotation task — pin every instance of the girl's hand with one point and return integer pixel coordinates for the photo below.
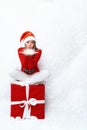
(29, 52)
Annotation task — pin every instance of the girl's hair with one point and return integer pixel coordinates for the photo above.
(35, 46)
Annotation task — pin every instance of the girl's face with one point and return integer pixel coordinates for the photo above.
(30, 44)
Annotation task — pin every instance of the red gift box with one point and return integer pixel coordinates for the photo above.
(28, 101)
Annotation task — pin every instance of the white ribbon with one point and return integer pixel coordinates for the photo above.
(31, 101)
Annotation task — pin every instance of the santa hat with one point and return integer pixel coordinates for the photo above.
(27, 36)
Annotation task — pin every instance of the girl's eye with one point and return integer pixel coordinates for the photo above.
(27, 42)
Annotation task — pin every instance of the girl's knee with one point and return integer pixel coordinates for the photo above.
(46, 72)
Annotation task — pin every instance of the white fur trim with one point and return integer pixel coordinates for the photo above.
(29, 38)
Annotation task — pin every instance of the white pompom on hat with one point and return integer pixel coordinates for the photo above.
(27, 36)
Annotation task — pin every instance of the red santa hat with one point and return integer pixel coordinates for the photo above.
(27, 36)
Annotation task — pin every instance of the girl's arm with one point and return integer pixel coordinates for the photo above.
(32, 63)
(22, 57)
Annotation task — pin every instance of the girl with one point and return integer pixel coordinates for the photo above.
(29, 56)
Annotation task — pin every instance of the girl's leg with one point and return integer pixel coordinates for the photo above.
(35, 78)
(38, 77)
(18, 75)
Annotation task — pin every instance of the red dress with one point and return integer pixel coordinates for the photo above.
(29, 62)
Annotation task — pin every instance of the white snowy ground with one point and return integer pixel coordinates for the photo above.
(61, 31)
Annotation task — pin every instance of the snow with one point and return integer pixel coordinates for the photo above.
(61, 31)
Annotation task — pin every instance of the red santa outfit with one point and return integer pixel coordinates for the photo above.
(29, 73)
(29, 62)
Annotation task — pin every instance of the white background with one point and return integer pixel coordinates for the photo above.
(60, 28)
